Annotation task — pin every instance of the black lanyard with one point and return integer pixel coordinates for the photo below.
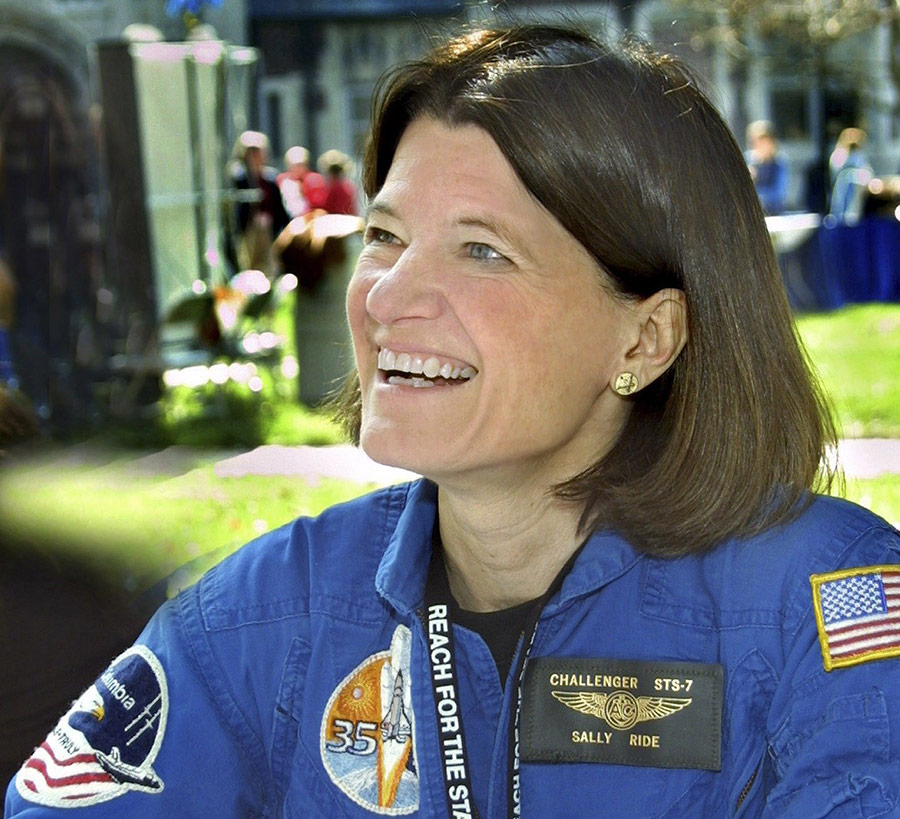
(442, 660)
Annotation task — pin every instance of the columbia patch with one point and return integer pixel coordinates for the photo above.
(106, 743)
(857, 614)
(367, 732)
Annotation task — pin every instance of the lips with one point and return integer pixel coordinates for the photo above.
(422, 371)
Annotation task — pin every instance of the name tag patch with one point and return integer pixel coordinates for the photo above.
(626, 712)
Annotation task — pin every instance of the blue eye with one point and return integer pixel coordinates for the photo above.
(378, 236)
(478, 250)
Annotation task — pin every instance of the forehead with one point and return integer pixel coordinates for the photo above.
(453, 168)
(454, 182)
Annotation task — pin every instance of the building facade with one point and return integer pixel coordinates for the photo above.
(322, 59)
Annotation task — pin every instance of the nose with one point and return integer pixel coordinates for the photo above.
(406, 291)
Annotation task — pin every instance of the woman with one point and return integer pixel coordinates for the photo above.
(259, 215)
(604, 599)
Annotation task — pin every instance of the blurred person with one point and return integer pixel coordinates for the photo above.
(850, 174)
(849, 143)
(7, 309)
(290, 181)
(768, 168)
(302, 190)
(315, 189)
(260, 214)
(614, 591)
(340, 192)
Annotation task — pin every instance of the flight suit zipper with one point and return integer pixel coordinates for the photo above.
(746, 790)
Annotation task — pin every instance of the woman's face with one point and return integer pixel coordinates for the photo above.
(484, 341)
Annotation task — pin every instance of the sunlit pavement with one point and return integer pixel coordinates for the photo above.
(869, 457)
(342, 461)
(859, 458)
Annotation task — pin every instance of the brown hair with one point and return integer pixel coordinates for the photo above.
(622, 148)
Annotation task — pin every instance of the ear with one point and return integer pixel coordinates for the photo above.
(663, 332)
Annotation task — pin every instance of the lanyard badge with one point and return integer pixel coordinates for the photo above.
(442, 660)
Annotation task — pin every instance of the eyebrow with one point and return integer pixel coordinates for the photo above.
(380, 206)
(377, 206)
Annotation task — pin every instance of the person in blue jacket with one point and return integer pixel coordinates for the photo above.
(768, 168)
(614, 592)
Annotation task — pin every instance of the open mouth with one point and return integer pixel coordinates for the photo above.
(403, 369)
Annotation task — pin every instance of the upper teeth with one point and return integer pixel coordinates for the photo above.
(430, 367)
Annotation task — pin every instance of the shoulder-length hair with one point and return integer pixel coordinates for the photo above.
(620, 145)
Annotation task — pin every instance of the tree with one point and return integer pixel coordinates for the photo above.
(800, 36)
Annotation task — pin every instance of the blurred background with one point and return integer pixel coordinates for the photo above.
(153, 153)
(179, 207)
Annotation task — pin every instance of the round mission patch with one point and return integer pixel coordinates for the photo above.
(367, 732)
(106, 743)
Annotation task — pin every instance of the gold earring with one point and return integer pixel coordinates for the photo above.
(625, 383)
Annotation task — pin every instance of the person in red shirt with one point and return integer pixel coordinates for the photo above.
(340, 192)
(301, 189)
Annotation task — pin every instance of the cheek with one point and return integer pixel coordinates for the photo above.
(357, 291)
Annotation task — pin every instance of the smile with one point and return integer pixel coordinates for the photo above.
(403, 369)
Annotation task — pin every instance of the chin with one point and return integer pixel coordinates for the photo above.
(399, 448)
(391, 447)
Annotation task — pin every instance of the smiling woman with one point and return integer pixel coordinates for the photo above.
(664, 218)
(614, 591)
(463, 268)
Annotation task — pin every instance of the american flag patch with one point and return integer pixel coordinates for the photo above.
(858, 614)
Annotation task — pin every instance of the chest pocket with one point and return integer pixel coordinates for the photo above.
(676, 793)
(300, 789)
(739, 789)
(750, 682)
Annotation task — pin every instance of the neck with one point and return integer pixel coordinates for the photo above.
(502, 550)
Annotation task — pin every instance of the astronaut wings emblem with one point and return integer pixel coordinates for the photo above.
(619, 709)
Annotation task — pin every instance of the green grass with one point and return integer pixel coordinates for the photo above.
(856, 352)
(881, 495)
(146, 528)
(231, 415)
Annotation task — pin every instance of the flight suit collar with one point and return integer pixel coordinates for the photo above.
(604, 557)
(401, 576)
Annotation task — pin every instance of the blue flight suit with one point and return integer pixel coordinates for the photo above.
(294, 681)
